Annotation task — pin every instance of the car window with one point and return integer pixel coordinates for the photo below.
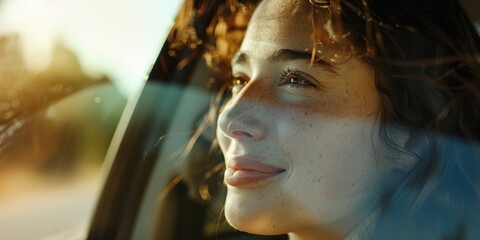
(68, 70)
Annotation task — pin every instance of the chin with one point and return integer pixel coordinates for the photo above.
(254, 221)
(255, 226)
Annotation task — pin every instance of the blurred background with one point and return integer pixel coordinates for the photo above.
(67, 71)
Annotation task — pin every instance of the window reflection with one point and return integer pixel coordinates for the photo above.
(55, 128)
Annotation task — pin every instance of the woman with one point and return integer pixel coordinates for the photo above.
(351, 119)
(297, 136)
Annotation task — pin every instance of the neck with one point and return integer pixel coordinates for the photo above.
(361, 231)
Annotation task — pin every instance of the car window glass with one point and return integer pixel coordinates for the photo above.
(67, 71)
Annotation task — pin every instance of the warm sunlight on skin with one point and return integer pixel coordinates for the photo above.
(298, 139)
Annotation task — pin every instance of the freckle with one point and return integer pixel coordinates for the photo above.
(311, 125)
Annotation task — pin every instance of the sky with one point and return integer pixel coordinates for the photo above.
(119, 38)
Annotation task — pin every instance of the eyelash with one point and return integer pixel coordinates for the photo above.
(288, 75)
(285, 79)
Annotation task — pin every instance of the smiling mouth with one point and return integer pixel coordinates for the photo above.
(248, 172)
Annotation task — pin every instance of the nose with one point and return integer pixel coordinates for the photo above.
(240, 126)
(244, 118)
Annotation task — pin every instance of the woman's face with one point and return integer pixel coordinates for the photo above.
(298, 138)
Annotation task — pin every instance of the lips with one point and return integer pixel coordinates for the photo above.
(248, 171)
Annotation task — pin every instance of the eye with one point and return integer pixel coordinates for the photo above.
(296, 80)
(236, 81)
(237, 84)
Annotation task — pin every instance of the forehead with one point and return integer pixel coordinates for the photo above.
(282, 8)
(284, 23)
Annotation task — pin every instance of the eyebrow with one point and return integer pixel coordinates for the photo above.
(285, 55)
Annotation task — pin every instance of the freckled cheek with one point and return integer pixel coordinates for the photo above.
(303, 134)
(301, 124)
(361, 106)
(329, 106)
(324, 151)
(348, 102)
(339, 181)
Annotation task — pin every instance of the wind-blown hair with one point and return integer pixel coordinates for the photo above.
(427, 64)
(426, 59)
